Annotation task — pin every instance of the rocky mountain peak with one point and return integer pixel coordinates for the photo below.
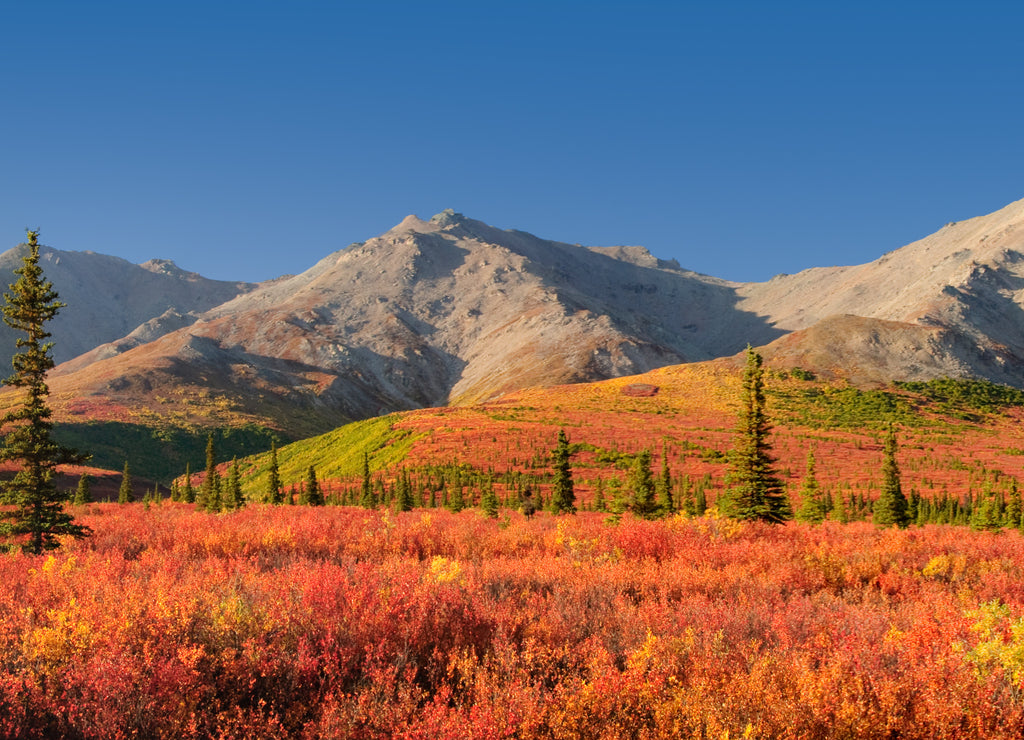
(447, 217)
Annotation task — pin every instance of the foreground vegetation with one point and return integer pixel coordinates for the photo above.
(342, 622)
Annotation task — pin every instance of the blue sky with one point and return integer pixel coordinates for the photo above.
(245, 140)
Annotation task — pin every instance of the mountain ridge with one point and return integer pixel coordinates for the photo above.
(452, 311)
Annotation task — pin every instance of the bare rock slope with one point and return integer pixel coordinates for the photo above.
(433, 312)
(109, 298)
(949, 304)
(452, 310)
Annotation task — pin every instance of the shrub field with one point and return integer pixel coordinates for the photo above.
(342, 622)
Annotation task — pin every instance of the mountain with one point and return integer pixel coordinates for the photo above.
(949, 304)
(434, 312)
(453, 311)
(111, 299)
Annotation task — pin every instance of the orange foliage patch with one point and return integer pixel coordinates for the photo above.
(336, 622)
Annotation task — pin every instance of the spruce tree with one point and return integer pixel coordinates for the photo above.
(209, 493)
(841, 513)
(456, 501)
(641, 485)
(563, 495)
(890, 509)
(1012, 516)
(83, 494)
(403, 494)
(812, 503)
(527, 504)
(686, 498)
(367, 500)
(754, 490)
(599, 502)
(985, 516)
(700, 501)
(275, 491)
(489, 501)
(188, 493)
(233, 498)
(924, 513)
(664, 485)
(124, 493)
(33, 515)
(311, 494)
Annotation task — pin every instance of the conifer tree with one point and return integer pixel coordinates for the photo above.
(311, 494)
(456, 501)
(812, 504)
(209, 493)
(33, 515)
(368, 500)
(124, 493)
(664, 486)
(641, 485)
(913, 504)
(1013, 508)
(489, 501)
(563, 495)
(890, 509)
(924, 513)
(618, 498)
(275, 491)
(233, 498)
(83, 494)
(527, 504)
(599, 502)
(985, 515)
(188, 493)
(700, 501)
(686, 497)
(841, 513)
(403, 494)
(754, 490)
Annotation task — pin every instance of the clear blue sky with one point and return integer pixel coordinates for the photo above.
(245, 140)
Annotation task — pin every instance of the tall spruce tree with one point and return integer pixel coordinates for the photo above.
(188, 493)
(124, 492)
(1011, 517)
(754, 490)
(641, 484)
(367, 499)
(812, 503)
(275, 491)
(890, 509)
(563, 494)
(664, 485)
(33, 517)
(311, 493)
(233, 498)
(599, 502)
(488, 499)
(83, 493)
(403, 493)
(209, 493)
